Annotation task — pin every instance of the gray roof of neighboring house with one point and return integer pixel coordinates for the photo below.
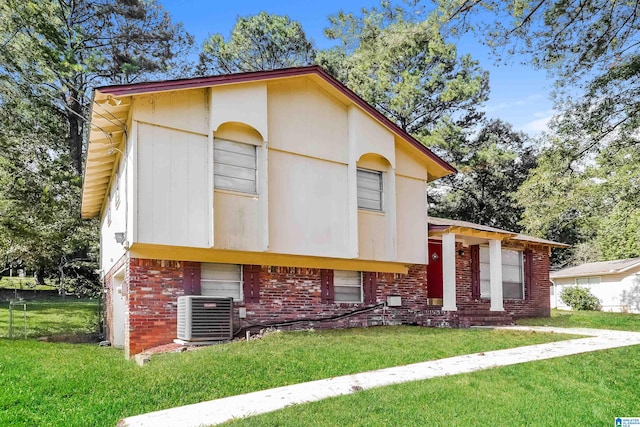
(443, 223)
(597, 268)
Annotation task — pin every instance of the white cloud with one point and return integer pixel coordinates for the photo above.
(537, 125)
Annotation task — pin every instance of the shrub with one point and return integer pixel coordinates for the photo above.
(580, 298)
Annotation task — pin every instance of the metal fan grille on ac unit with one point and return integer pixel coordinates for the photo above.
(204, 318)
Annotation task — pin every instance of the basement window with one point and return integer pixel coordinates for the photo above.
(347, 286)
(221, 280)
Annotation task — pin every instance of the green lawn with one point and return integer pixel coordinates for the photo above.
(583, 390)
(50, 318)
(46, 384)
(587, 319)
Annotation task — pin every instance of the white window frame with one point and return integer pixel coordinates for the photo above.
(485, 285)
(364, 175)
(338, 276)
(214, 281)
(219, 175)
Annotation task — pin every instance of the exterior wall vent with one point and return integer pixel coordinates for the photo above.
(205, 318)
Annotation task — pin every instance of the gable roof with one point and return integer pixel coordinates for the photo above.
(601, 268)
(442, 225)
(110, 112)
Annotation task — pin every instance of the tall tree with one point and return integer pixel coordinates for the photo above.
(491, 166)
(579, 192)
(58, 49)
(591, 47)
(259, 42)
(51, 53)
(406, 69)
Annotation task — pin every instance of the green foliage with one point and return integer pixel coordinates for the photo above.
(406, 69)
(491, 167)
(52, 53)
(579, 298)
(575, 39)
(590, 202)
(56, 50)
(259, 42)
(80, 385)
(580, 192)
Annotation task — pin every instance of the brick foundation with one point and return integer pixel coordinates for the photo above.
(290, 298)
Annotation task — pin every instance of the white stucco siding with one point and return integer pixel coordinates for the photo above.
(412, 226)
(174, 189)
(186, 110)
(307, 206)
(237, 225)
(370, 136)
(114, 220)
(245, 104)
(306, 120)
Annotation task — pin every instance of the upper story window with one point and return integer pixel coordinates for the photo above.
(221, 280)
(512, 274)
(370, 189)
(234, 166)
(347, 286)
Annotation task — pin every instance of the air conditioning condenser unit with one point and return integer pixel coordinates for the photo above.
(205, 318)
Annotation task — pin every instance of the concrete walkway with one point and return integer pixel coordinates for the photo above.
(221, 410)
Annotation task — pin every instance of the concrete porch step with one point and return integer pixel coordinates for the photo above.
(467, 319)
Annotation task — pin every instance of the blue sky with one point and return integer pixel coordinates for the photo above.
(519, 94)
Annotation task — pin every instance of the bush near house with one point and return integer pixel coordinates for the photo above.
(580, 299)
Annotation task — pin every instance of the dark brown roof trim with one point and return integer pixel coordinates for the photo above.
(197, 82)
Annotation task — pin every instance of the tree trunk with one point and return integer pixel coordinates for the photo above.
(76, 126)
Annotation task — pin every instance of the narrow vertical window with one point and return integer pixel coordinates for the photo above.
(234, 166)
(369, 189)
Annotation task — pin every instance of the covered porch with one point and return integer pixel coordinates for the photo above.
(481, 275)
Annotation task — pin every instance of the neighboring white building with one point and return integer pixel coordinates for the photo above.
(615, 283)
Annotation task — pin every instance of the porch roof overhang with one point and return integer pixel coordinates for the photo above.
(440, 226)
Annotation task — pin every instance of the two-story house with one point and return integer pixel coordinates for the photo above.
(281, 189)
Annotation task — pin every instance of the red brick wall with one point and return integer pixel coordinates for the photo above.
(538, 303)
(292, 295)
(153, 291)
(535, 305)
(286, 295)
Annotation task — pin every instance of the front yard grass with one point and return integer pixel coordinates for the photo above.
(587, 319)
(591, 389)
(46, 384)
(587, 390)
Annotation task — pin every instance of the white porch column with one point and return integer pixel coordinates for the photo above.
(495, 268)
(449, 272)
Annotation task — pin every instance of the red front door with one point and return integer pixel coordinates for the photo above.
(434, 270)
